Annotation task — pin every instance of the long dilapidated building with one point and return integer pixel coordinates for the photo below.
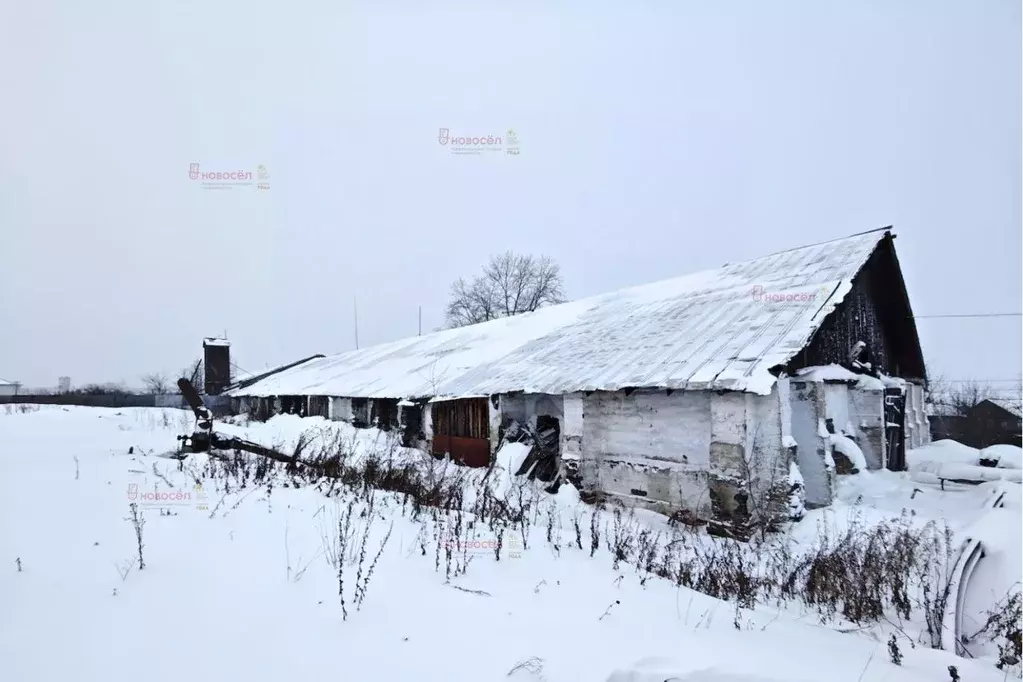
(713, 392)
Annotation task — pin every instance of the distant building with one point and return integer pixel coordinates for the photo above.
(8, 387)
(994, 421)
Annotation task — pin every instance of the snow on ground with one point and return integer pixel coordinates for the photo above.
(245, 587)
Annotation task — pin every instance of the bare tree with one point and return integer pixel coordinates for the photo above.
(155, 383)
(510, 284)
(957, 398)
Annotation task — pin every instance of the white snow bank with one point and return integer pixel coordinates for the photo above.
(508, 460)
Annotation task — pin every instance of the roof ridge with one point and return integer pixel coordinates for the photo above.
(887, 228)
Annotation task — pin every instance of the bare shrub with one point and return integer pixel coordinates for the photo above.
(138, 522)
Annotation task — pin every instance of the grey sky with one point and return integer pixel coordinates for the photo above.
(657, 138)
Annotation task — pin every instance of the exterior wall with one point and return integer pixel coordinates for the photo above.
(8, 389)
(649, 448)
(807, 405)
(525, 407)
(749, 458)
(572, 427)
(494, 405)
(918, 430)
(341, 409)
(867, 412)
(836, 406)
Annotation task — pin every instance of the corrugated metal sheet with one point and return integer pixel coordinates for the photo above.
(706, 330)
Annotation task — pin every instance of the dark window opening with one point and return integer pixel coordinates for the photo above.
(360, 413)
(411, 425)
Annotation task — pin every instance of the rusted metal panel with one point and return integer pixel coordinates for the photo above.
(472, 452)
(461, 428)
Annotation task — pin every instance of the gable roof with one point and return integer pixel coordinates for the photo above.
(707, 330)
(4, 382)
(1013, 407)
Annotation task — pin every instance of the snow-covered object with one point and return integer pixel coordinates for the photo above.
(1007, 456)
(797, 493)
(843, 444)
(839, 373)
(827, 373)
(950, 459)
(706, 330)
(848, 447)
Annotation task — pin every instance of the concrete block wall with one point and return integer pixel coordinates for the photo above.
(649, 448)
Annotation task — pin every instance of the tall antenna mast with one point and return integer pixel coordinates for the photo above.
(420, 320)
(355, 305)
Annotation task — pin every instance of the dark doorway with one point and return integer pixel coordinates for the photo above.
(411, 425)
(384, 413)
(360, 413)
(319, 406)
(461, 428)
(293, 404)
(895, 424)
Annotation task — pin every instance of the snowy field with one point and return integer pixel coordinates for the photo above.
(241, 576)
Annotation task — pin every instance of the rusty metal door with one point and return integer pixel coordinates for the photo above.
(461, 429)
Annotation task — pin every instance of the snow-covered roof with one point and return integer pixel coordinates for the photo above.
(1011, 406)
(4, 382)
(721, 329)
(209, 341)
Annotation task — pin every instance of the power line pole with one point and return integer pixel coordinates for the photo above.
(420, 320)
(355, 307)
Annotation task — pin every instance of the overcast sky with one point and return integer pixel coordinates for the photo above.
(656, 139)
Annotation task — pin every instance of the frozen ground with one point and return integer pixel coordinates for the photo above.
(245, 588)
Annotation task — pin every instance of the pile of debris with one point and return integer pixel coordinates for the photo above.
(542, 463)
